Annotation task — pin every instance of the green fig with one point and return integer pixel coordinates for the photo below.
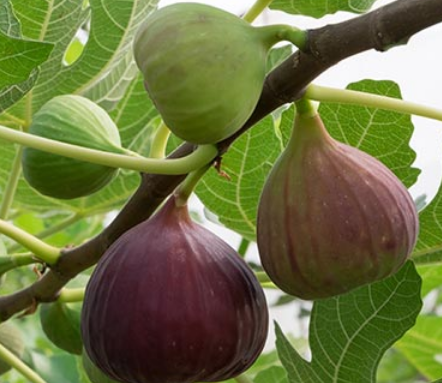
(74, 120)
(61, 324)
(12, 339)
(331, 218)
(204, 68)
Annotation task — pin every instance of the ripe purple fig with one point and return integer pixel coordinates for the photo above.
(170, 302)
(331, 217)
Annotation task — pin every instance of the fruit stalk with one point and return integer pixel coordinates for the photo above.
(13, 360)
(71, 295)
(42, 250)
(186, 188)
(159, 142)
(9, 262)
(11, 185)
(256, 9)
(346, 96)
(202, 155)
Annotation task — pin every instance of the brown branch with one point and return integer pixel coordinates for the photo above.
(381, 29)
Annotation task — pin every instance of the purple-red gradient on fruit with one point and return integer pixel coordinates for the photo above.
(331, 217)
(170, 302)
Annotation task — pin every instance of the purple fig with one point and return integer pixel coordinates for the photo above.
(170, 302)
(331, 217)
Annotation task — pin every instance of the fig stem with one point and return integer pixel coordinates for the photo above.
(185, 189)
(243, 247)
(73, 218)
(9, 262)
(262, 277)
(256, 9)
(11, 185)
(346, 96)
(201, 156)
(14, 361)
(159, 141)
(42, 250)
(305, 108)
(71, 295)
(272, 34)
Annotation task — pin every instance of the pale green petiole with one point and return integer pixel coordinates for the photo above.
(345, 96)
(159, 142)
(71, 295)
(11, 186)
(201, 156)
(14, 361)
(9, 262)
(42, 250)
(256, 9)
(185, 189)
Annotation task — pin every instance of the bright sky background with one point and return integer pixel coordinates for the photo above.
(417, 67)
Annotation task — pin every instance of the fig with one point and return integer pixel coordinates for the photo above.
(331, 217)
(61, 324)
(204, 68)
(12, 339)
(170, 302)
(75, 120)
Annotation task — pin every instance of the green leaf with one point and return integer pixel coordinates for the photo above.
(422, 346)
(429, 245)
(14, 93)
(247, 163)
(106, 66)
(20, 58)
(384, 134)
(275, 374)
(9, 24)
(431, 275)
(319, 8)
(350, 333)
(394, 368)
(60, 368)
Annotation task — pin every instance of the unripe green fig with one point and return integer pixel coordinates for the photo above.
(204, 68)
(61, 324)
(74, 120)
(11, 338)
(331, 218)
(170, 302)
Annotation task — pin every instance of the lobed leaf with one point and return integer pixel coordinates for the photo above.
(320, 8)
(349, 333)
(422, 346)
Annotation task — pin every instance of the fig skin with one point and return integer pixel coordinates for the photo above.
(204, 68)
(331, 218)
(74, 120)
(170, 302)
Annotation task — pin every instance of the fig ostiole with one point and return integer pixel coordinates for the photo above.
(170, 302)
(204, 67)
(331, 217)
(74, 120)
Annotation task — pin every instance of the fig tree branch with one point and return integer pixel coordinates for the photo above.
(381, 29)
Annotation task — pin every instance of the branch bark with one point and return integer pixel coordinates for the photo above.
(381, 29)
